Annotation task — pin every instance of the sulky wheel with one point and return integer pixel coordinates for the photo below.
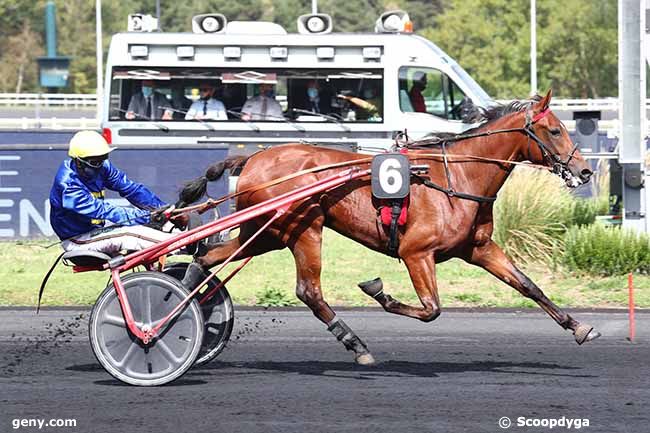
(218, 313)
(151, 295)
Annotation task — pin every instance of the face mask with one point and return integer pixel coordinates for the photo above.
(147, 91)
(312, 92)
(89, 171)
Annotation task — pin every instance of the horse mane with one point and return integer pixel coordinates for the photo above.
(471, 113)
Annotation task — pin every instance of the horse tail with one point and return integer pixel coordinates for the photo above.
(195, 189)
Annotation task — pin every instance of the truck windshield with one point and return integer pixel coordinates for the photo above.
(236, 95)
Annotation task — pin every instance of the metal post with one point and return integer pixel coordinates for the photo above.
(158, 13)
(50, 28)
(100, 59)
(314, 6)
(533, 47)
(631, 91)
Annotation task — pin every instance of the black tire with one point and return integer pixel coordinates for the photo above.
(218, 312)
(151, 295)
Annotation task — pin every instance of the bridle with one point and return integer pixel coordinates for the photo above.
(558, 166)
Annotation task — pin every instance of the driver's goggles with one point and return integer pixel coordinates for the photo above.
(93, 162)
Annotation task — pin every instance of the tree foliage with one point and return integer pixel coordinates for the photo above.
(577, 40)
(576, 43)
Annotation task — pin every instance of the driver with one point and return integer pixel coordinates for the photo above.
(80, 216)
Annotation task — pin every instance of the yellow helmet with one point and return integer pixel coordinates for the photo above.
(85, 144)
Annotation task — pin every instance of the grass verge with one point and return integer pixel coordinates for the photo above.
(270, 279)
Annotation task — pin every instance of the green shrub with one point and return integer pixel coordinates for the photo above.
(585, 211)
(601, 250)
(532, 214)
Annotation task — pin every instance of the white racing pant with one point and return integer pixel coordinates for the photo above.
(112, 240)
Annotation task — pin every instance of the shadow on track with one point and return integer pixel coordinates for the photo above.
(351, 371)
(384, 369)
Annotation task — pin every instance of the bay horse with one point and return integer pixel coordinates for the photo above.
(440, 224)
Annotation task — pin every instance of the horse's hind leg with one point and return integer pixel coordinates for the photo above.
(422, 270)
(307, 254)
(493, 259)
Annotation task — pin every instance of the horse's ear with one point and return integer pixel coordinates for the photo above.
(544, 102)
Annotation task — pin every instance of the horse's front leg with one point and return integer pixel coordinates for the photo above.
(422, 270)
(492, 258)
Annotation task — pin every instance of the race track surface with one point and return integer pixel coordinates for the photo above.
(283, 372)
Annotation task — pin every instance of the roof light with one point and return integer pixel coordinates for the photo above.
(325, 52)
(185, 52)
(232, 52)
(139, 51)
(373, 53)
(278, 52)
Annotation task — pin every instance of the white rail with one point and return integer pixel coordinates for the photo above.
(75, 100)
(49, 123)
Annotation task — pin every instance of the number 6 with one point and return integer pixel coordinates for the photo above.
(390, 177)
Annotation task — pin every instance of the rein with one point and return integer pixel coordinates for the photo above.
(527, 129)
(558, 166)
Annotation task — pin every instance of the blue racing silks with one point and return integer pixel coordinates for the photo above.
(78, 206)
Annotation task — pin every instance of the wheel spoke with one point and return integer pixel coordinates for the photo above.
(167, 352)
(129, 353)
(146, 306)
(111, 319)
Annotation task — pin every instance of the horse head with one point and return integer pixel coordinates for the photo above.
(549, 144)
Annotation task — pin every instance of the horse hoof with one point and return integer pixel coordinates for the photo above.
(584, 333)
(372, 288)
(365, 359)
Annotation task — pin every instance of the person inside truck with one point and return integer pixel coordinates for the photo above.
(415, 95)
(208, 106)
(147, 104)
(263, 106)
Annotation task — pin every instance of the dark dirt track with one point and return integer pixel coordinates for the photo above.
(283, 372)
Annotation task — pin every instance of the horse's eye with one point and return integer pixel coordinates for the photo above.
(556, 132)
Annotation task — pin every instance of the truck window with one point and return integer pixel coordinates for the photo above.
(428, 90)
(179, 94)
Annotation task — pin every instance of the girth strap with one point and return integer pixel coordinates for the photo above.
(393, 240)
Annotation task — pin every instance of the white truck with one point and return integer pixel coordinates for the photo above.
(367, 84)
